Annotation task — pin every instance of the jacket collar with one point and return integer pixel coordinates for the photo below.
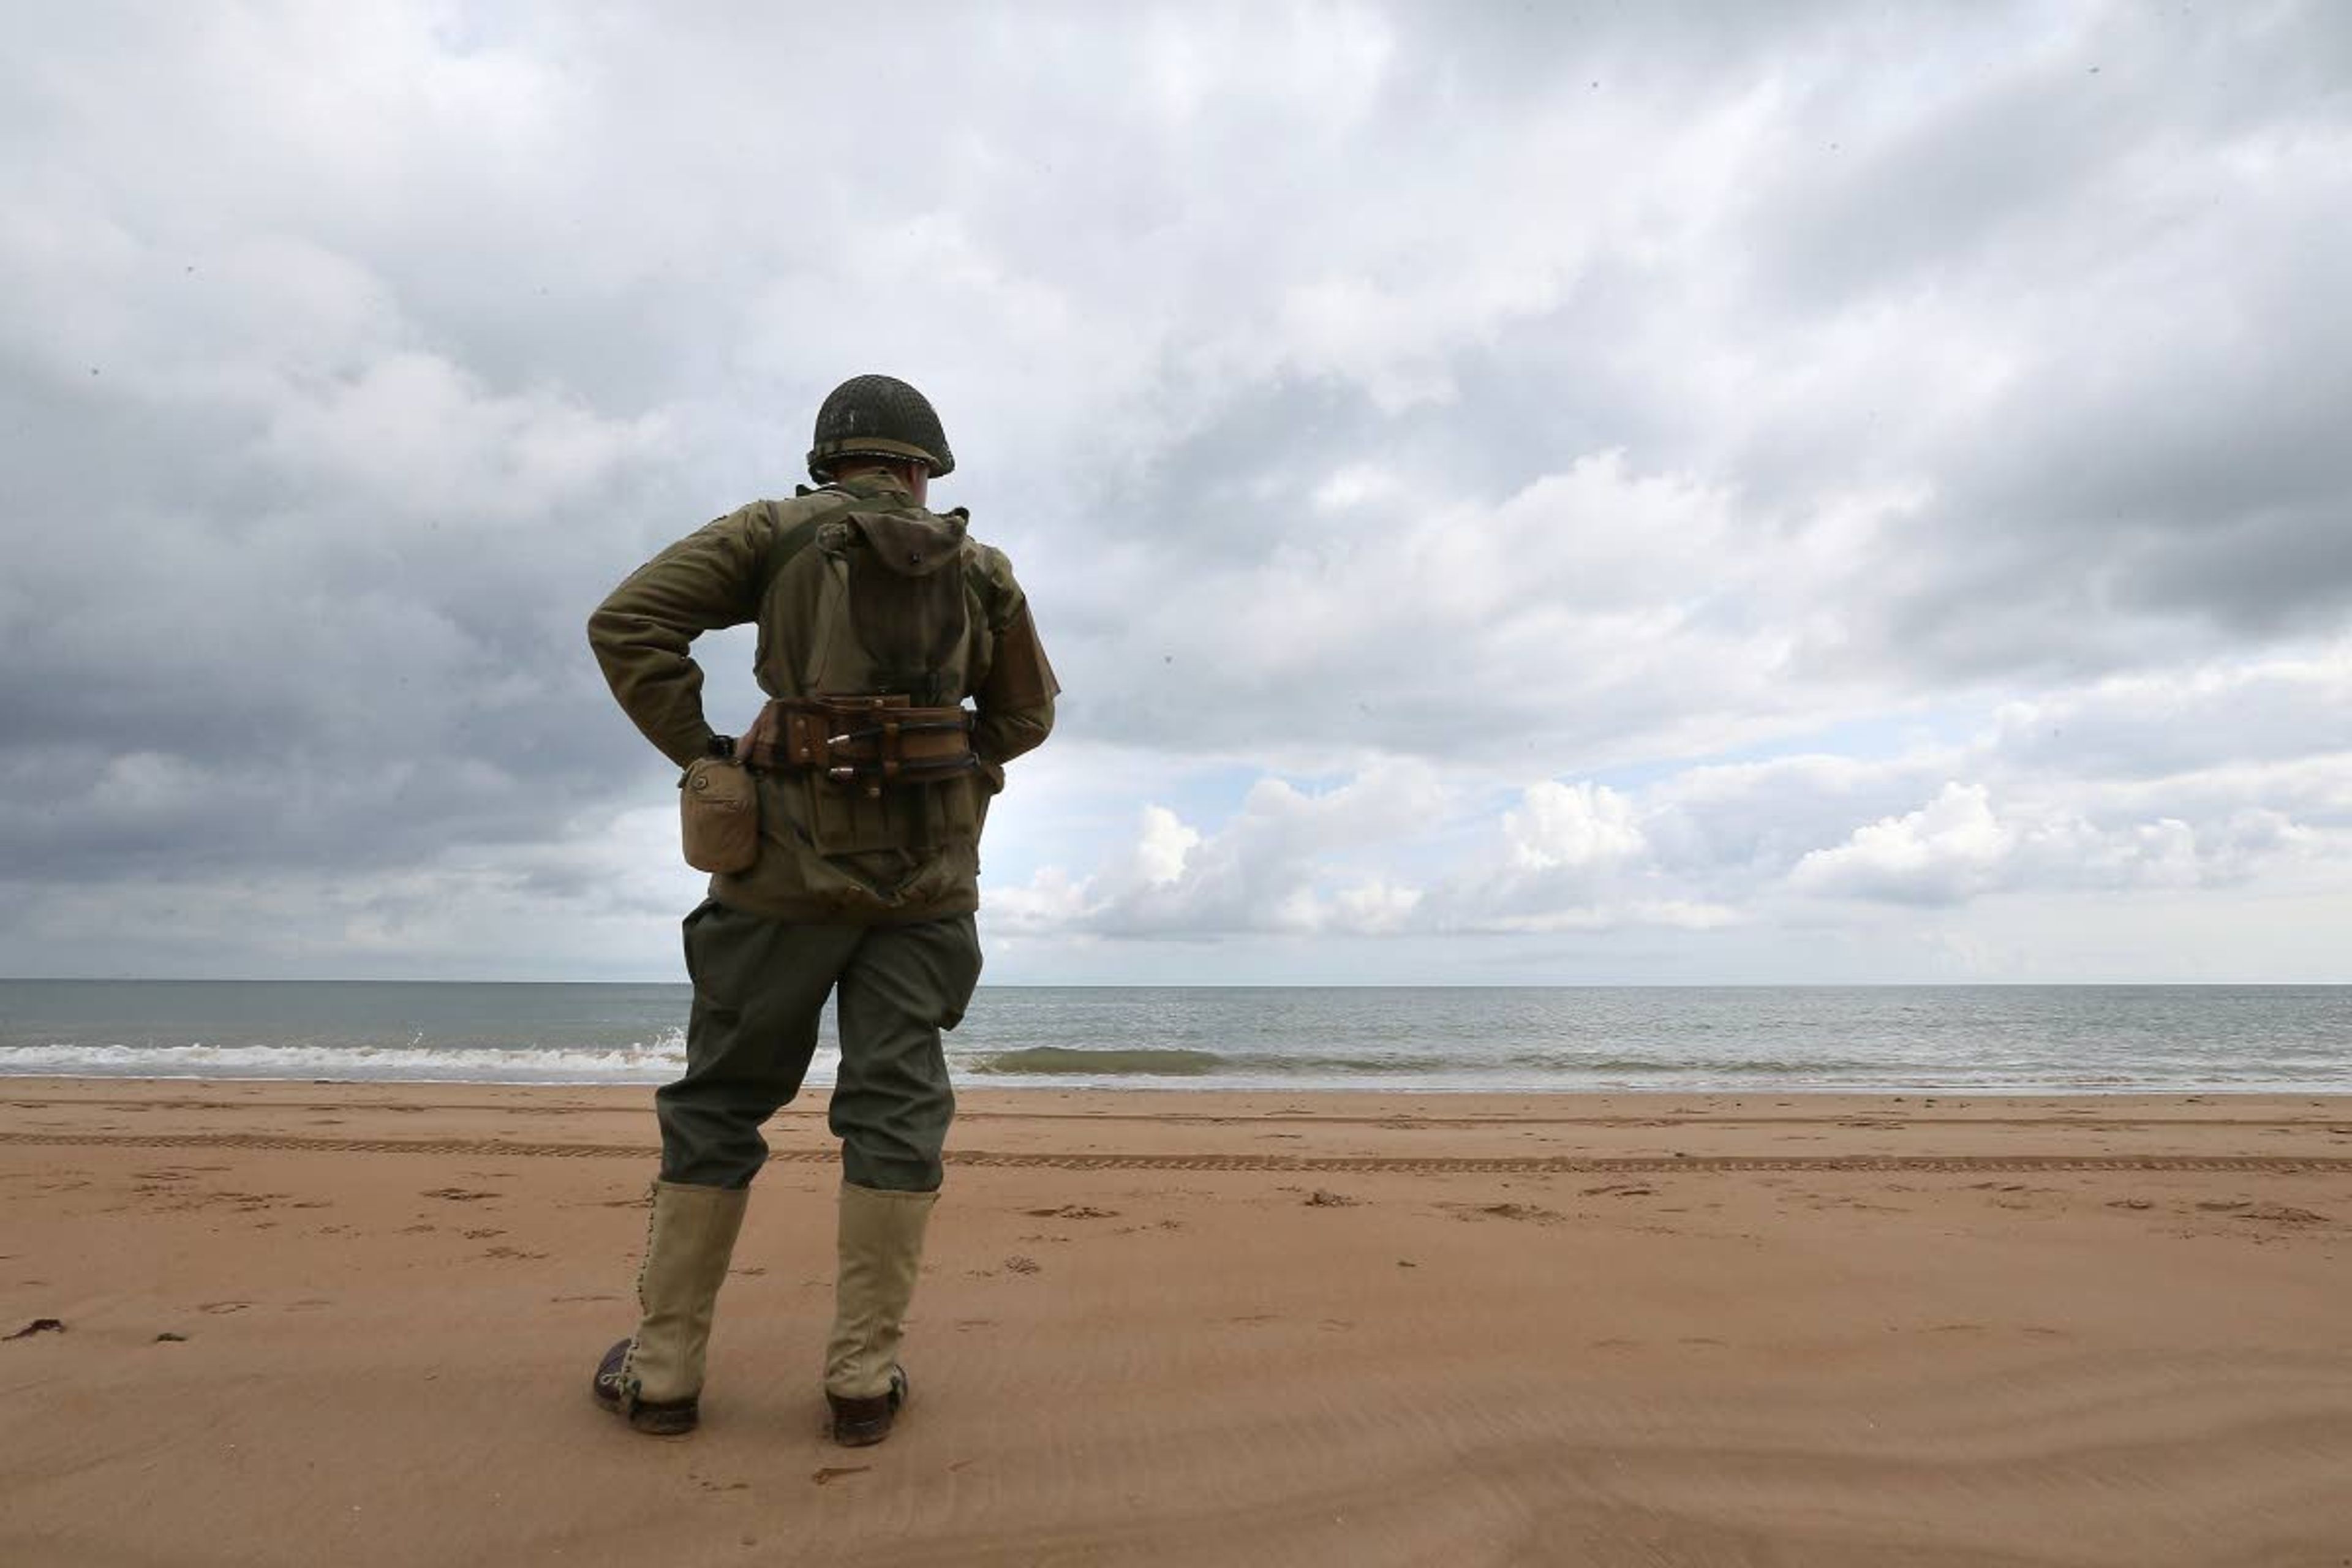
(873, 484)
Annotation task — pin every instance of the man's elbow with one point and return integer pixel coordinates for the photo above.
(1005, 734)
(607, 628)
(626, 642)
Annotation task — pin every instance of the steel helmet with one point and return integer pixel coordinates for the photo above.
(877, 416)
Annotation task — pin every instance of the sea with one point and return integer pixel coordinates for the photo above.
(1989, 1040)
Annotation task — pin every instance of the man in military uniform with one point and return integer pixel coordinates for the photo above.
(877, 621)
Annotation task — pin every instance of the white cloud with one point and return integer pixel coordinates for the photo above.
(1159, 853)
(1958, 846)
(1724, 847)
(2154, 724)
(1579, 825)
(1948, 849)
(1374, 908)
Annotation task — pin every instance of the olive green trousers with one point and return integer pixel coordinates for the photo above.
(760, 988)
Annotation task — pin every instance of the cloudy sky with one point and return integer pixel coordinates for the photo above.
(1515, 493)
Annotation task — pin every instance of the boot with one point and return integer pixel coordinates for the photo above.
(653, 1378)
(881, 1247)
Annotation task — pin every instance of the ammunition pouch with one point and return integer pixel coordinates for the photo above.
(871, 742)
(876, 775)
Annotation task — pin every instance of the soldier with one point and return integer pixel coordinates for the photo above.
(870, 780)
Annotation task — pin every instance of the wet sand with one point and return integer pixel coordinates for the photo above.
(308, 1323)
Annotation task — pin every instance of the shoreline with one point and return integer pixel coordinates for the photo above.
(353, 1322)
(1120, 1084)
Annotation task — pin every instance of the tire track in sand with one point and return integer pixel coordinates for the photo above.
(1438, 1165)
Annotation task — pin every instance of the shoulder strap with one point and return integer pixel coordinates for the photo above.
(792, 540)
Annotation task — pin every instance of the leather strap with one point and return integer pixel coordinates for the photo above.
(867, 740)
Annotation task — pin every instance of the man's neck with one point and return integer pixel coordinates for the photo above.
(912, 483)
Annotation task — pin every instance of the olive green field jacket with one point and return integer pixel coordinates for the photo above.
(726, 574)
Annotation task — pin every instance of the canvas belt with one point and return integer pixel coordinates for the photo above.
(867, 740)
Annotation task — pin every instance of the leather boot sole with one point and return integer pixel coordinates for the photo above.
(862, 1423)
(656, 1417)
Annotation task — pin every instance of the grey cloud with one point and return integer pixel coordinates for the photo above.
(409, 342)
(2155, 728)
(1534, 53)
(2039, 119)
(2272, 575)
(1736, 830)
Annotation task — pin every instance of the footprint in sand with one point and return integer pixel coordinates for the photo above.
(1527, 1212)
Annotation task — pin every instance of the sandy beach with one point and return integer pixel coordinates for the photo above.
(353, 1324)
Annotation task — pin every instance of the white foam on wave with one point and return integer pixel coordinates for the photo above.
(655, 1061)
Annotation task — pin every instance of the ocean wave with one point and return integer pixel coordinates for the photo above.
(654, 1061)
(1710, 1067)
(1072, 1060)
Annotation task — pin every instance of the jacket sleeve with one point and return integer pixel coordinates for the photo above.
(643, 630)
(1015, 699)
